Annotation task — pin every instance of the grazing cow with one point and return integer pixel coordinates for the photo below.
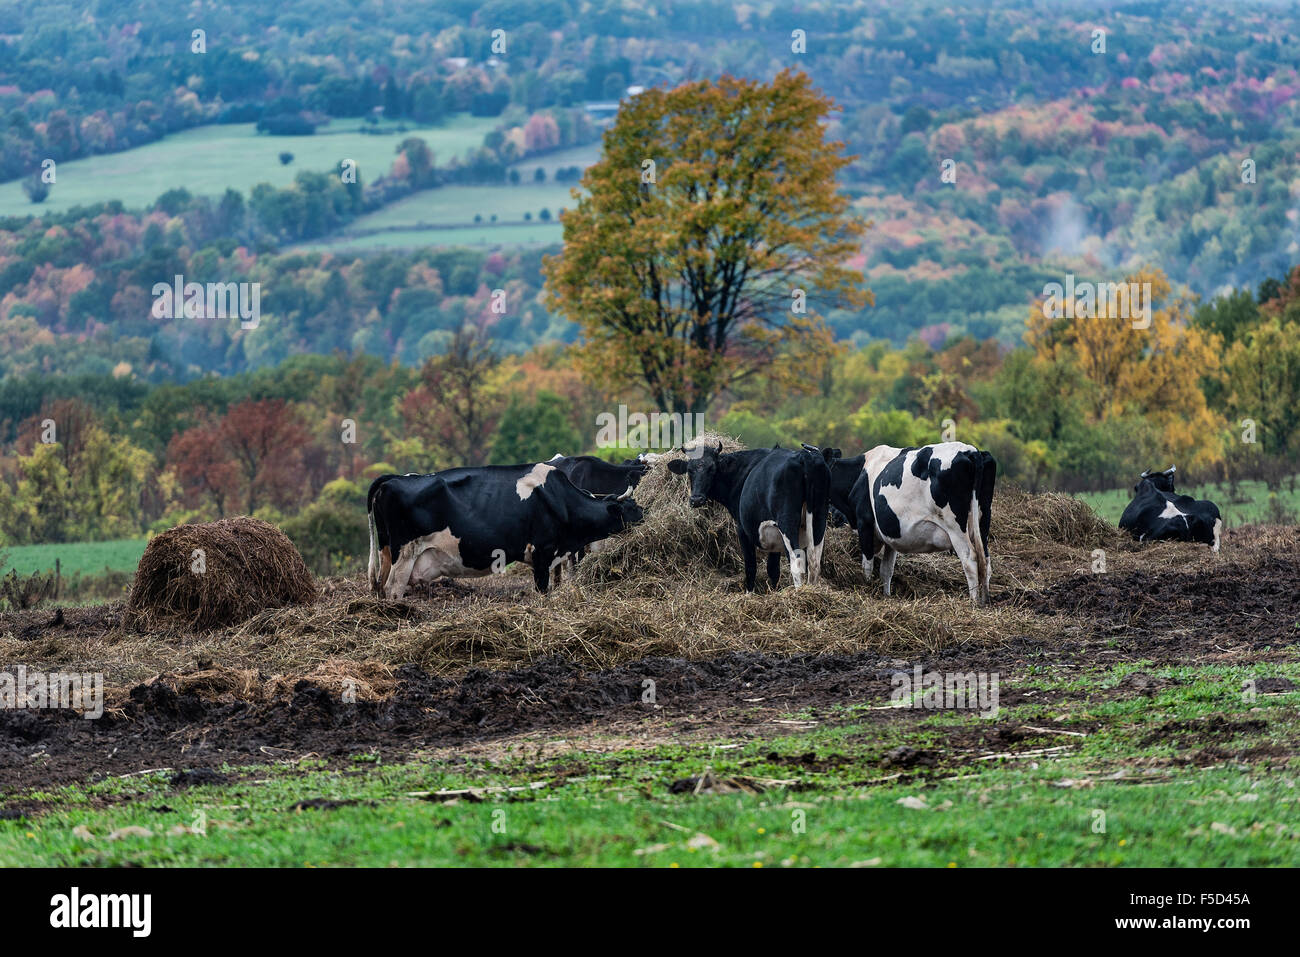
(1157, 513)
(468, 522)
(929, 499)
(778, 499)
(597, 476)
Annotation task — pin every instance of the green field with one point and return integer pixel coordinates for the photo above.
(209, 159)
(580, 156)
(1105, 784)
(505, 234)
(88, 558)
(1252, 505)
(445, 216)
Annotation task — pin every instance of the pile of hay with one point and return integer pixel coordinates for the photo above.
(216, 574)
(1025, 523)
(674, 541)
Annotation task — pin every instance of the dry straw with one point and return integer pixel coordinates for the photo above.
(668, 587)
(216, 574)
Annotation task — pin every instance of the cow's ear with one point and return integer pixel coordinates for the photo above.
(677, 466)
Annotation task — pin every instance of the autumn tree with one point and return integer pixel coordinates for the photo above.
(534, 431)
(265, 439)
(712, 213)
(1262, 385)
(1130, 370)
(453, 411)
(202, 467)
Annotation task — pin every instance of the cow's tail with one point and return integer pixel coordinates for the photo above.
(816, 499)
(374, 566)
(981, 506)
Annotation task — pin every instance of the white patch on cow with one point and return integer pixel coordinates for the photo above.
(1171, 511)
(557, 455)
(524, 487)
(426, 558)
(1218, 533)
(770, 538)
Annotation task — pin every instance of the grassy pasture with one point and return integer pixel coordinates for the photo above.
(88, 558)
(210, 159)
(445, 216)
(1109, 792)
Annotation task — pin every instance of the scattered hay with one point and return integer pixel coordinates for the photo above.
(216, 574)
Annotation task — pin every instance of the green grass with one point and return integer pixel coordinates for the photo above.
(580, 156)
(89, 558)
(617, 807)
(209, 159)
(505, 234)
(1255, 506)
(446, 217)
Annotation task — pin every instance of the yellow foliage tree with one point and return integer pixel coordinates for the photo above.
(712, 204)
(1151, 370)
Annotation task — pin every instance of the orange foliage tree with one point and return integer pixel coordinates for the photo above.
(712, 204)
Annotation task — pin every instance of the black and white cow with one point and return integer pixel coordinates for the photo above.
(1157, 513)
(595, 475)
(934, 498)
(469, 522)
(778, 499)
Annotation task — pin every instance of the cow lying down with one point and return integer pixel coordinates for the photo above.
(1158, 513)
(470, 522)
(935, 498)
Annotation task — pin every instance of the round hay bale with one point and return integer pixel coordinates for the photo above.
(215, 574)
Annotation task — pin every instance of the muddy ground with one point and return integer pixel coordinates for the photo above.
(1225, 613)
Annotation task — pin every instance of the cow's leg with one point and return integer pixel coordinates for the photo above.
(791, 526)
(747, 553)
(887, 560)
(542, 569)
(867, 545)
(819, 522)
(773, 569)
(961, 544)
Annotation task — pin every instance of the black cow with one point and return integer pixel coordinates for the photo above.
(927, 499)
(595, 475)
(1157, 513)
(778, 498)
(468, 522)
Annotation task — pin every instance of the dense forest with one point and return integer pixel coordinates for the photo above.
(989, 151)
(1068, 155)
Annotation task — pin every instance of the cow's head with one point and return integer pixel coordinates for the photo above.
(827, 453)
(623, 509)
(1160, 481)
(702, 470)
